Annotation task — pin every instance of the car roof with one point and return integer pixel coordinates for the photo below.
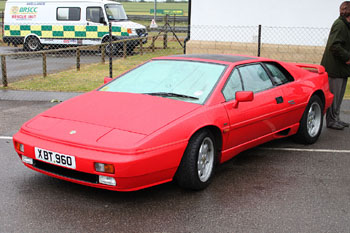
(215, 57)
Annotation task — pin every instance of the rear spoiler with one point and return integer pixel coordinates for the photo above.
(312, 67)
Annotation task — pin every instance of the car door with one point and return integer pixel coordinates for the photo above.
(294, 93)
(251, 120)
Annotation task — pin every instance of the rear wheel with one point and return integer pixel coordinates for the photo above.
(32, 43)
(311, 123)
(198, 162)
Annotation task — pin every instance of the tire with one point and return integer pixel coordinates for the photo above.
(108, 49)
(311, 123)
(198, 162)
(32, 43)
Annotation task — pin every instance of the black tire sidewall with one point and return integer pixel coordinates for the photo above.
(303, 135)
(187, 173)
(38, 47)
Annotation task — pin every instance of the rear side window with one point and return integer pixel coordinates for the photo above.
(68, 13)
(255, 78)
(279, 74)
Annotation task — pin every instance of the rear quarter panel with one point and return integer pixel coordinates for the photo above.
(306, 83)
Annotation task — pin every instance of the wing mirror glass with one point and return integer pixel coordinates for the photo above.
(243, 96)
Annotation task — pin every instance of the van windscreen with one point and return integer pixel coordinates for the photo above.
(115, 12)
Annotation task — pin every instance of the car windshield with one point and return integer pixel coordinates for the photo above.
(115, 12)
(182, 80)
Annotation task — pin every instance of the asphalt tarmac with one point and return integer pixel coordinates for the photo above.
(280, 186)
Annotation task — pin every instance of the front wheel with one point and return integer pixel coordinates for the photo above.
(311, 123)
(109, 49)
(198, 162)
(32, 43)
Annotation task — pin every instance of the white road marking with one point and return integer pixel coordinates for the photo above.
(5, 138)
(305, 150)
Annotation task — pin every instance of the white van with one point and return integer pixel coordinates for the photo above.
(68, 22)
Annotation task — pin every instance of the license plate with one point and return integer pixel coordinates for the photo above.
(55, 158)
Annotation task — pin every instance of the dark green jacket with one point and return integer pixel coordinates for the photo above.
(337, 51)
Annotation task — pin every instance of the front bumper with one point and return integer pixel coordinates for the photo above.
(132, 41)
(132, 171)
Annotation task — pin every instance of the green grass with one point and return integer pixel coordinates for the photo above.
(2, 5)
(143, 8)
(88, 78)
(161, 23)
(347, 91)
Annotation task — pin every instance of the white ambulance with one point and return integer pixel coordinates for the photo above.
(68, 22)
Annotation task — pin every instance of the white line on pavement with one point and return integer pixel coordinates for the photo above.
(5, 138)
(306, 150)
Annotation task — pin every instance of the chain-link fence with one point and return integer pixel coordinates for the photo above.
(40, 53)
(76, 58)
(291, 44)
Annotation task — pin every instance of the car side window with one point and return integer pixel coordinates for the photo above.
(279, 75)
(232, 85)
(255, 78)
(94, 14)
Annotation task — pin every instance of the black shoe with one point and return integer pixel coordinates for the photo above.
(336, 126)
(344, 123)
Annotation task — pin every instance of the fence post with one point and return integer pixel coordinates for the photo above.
(259, 40)
(4, 71)
(141, 47)
(153, 43)
(174, 25)
(78, 59)
(111, 50)
(124, 49)
(2, 22)
(103, 54)
(165, 37)
(44, 65)
(165, 41)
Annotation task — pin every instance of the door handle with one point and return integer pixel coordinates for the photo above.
(279, 99)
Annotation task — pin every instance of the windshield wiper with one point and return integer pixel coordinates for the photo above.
(170, 94)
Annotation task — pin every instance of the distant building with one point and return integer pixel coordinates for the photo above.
(291, 30)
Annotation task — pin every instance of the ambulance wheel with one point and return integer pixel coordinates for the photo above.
(108, 48)
(32, 43)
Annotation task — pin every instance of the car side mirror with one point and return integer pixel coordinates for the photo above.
(107, 80)
(243, 96)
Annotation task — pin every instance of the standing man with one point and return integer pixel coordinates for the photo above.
(336, 60)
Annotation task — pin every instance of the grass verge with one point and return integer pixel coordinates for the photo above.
(88, 78)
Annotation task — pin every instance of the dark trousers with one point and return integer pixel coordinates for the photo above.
(337, 86)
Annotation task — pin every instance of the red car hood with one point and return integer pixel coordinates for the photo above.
(96, 114)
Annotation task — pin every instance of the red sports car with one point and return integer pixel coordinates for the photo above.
(175, 117)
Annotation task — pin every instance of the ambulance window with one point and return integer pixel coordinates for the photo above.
(68, 13)
(94, 14)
